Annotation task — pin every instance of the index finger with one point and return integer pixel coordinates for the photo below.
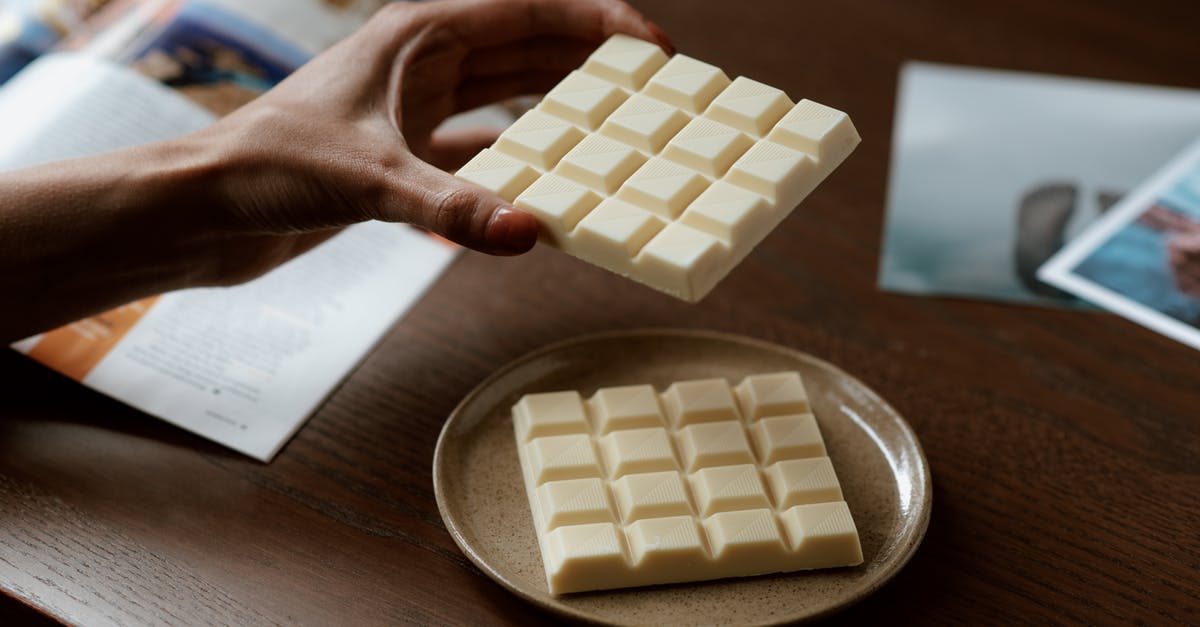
(491, 22)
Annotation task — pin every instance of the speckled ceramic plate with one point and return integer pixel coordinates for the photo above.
(883, 474)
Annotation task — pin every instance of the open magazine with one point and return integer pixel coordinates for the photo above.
(30, 28)
(246, 365)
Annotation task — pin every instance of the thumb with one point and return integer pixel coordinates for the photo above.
(459, 211)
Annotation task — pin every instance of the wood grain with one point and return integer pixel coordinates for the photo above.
(1065, 446)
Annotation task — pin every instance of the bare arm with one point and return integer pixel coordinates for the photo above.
(349, 137)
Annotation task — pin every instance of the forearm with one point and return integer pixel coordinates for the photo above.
(348, 137)
(81, 236)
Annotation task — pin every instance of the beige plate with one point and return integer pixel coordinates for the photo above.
(883, 473)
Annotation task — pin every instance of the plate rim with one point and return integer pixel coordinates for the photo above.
(925, 483)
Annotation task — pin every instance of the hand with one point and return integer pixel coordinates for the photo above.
(351, 135)
(1160, 218)
(1183, 252)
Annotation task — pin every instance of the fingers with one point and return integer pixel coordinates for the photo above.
(459, 211)
(482, 23)
(1162, 219)
(448, 150)
(538, 54)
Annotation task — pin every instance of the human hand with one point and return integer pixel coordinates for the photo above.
(1160, 218)
(351, 135)
(1183, 253)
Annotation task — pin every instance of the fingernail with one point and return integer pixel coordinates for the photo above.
(661, 36)
(510, 231)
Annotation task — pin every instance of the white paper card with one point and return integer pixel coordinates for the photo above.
(993, 171)
(1142, 260)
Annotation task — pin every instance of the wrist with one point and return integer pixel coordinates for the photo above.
(85, 235)
(171, 190)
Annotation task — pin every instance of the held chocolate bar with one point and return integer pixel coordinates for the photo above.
(662, 170)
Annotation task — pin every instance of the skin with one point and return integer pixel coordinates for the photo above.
(1183, 251)
(347, 138)
(1183, 246)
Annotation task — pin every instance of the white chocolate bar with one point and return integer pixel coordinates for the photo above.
(634, 487)
(685, 170)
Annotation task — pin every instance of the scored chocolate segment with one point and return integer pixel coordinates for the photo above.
(701, 400)
(749, 106)
(626, 61)
(805, 480)
(718, 163)
(687, 83)
(729, 212)
(644, 123)
(502, 174)
(626, 407)
(662, 187)
(772, 395)
(651, 495)
(630, 451)
(552, 413)
(559, 204)
(707, 146)
(583, 99)
(682, 259)
(600, 163)
(573, 502)
(633, 486)
(725, 488)
(713, 444)
(539, 139)
(816, 129)
(614, 232)
(781, 175)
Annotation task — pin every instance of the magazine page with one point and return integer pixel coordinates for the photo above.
(208, 53)
(95, 106)
(313, 25)
(30, 28)
(245, 365)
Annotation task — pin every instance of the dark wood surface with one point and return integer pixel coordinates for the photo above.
(1064, 445)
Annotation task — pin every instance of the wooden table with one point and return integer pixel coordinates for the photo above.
(1065, 446)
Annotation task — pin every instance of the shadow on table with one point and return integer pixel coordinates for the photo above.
(916, 587)
(901, 601)
(36, 394)
(14, 612)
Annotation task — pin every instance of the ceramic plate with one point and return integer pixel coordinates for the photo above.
(883, 474)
